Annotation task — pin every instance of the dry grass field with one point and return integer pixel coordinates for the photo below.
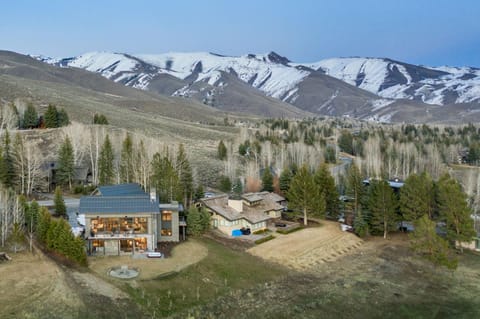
(308, 247)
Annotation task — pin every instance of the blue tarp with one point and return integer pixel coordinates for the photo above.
(236, 232)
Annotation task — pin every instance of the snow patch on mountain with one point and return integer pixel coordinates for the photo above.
(396, 80)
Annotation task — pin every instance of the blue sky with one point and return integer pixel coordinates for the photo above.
(429, 32)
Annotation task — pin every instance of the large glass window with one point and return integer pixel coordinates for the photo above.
(166, 223)
(137, 225)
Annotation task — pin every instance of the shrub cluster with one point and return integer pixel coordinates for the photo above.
(56, 235)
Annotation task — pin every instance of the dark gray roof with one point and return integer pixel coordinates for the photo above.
(132, 189)
(117, 204)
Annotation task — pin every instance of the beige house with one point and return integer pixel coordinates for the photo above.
(252, 210)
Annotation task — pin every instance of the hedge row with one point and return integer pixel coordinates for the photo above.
(288, 231)
(264, 239)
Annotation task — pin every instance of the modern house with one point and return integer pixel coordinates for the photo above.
(124, 219)
(251, 210)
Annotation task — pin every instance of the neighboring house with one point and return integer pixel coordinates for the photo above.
(473, 245)
(252, 210)
(124, 219)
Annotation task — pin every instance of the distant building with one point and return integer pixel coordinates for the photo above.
(124, 219)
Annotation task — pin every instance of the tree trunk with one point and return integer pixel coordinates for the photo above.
(305, 220)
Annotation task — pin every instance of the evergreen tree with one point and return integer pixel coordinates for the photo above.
(184, 172)
(416, 197)
(285, 179)
(66, 164)
(44, 221)
(225, 184)
(106, 172)
(32, 212)
(354, 188)
(360, 225)
(330, 156)
(305, 196)
(424, 240)
(165, 179)
(194, 219)
(126, 160)
(454, 210)
(325, 182)
(100, 119)
(59, 203)
(345, 142)
(382, 205)
(199, 192)
(30, 117)
(222, 151)
(267, 180)
(51, 117)
(62, 118)
(237, 187)
(7, 167)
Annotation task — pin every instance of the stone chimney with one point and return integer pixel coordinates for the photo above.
(236, 204)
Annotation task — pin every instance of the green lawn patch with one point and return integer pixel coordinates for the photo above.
(222, 271)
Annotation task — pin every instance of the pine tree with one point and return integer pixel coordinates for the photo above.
(126, 160)
(305, 196)
(267, 180)
(199, 192)
(44, 221)
(285, 179)
(324, 180)
(62, 118)
(354, 188)
(30, 117)
(416, 197)
(454, 210)
(382, 205)
(7, 167)
(424, 240)
(194, 219)
(224, 184)
(184, 172)
(165, 179)
(222, 151)
(106, 172)
(66, 166)
(360, 225)
(51, 117)
(59, 203)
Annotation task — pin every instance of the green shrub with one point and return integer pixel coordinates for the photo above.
(261, 231)
(264, 239)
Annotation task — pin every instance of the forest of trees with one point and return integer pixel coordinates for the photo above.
(311, 162)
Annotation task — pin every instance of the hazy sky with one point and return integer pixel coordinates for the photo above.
(430, 32)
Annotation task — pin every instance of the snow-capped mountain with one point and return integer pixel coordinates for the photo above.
(397, 80)
(361, 87)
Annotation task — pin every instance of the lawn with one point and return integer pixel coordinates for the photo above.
(224, 271)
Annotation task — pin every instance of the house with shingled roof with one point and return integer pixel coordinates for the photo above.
(251, 210)
(124, 219)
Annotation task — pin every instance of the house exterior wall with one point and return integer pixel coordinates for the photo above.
(174, 226)
(226, 226)
(275, 214)
(473, 245)
(111, 241)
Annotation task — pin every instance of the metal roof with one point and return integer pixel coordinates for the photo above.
(117, 204)
(132, 189)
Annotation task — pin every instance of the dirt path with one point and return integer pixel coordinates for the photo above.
(183, 255)
(306, 248)
(33, 286)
